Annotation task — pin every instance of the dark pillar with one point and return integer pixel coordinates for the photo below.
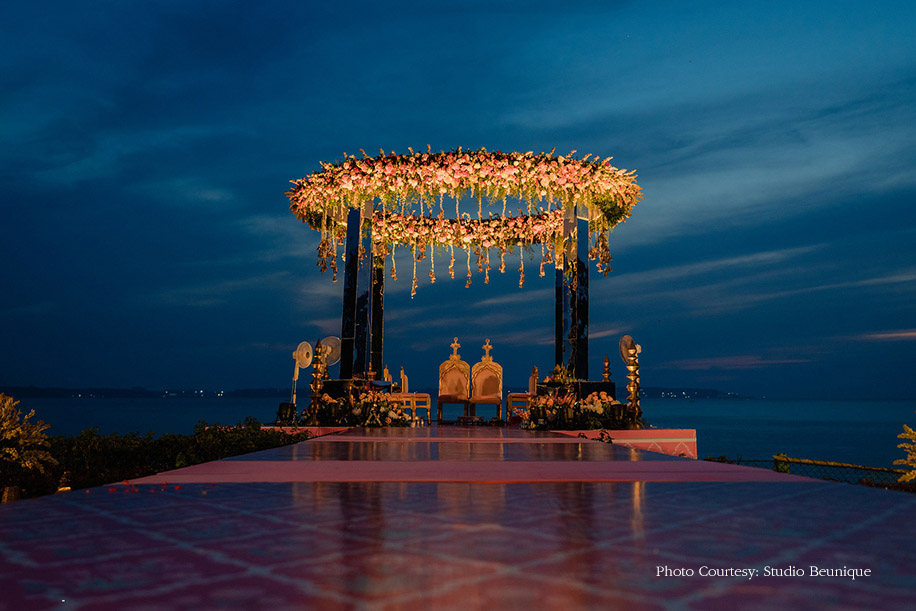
(354, 321)
(571, 310)
(362, 335)
(348, 317)
(579, 300)
(564, 281)
(377, 318)
(561, 312)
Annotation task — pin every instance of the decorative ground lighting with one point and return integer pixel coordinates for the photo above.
(370, 206)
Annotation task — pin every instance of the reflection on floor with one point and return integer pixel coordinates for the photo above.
(238, 536)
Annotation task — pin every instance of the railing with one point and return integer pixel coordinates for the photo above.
(877, 477)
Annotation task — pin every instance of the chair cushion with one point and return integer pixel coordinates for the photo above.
(486, 399)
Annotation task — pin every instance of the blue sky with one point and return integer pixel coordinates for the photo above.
(146, 148)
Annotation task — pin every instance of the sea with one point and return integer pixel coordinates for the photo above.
(855, 432)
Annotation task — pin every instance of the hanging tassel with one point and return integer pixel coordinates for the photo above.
(432, 265)
(451, 264)
(413, 287)
(334, 261)
(486, 276)
(468, 283)
(543, 260)
(394, 269)
(502, 260)
(521, 267)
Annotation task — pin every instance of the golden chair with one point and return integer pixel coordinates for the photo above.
(412, 401)
(522, 399)
(487, 383)
(454, 382)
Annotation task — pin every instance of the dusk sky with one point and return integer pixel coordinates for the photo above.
(146, 149)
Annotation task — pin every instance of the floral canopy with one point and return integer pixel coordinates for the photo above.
(407, 194)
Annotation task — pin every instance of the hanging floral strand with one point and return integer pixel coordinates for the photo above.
(413, 287)
(394, 269)
(334, 261)
(543, 261)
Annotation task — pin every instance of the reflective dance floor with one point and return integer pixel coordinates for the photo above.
(460, 518)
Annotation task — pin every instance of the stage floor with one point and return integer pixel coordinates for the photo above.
(466, 518)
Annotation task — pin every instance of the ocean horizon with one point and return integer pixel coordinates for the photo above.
(856, 432)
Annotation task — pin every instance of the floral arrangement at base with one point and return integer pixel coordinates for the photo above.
(565, 411)
(361, 407)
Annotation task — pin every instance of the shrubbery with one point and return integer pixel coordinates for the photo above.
(910, 460)
(91, 459)
(23, 446)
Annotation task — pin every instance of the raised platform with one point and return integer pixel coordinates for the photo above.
(674, 442)
(469, 518)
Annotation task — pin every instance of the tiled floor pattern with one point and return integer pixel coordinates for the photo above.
(450, 545)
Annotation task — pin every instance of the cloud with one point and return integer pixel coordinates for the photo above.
(606, 332)
(679, 272)
(327, 326)
(738, 362)
(183, 191)
(215, 293)
(531, 296)
(902, 335)
(280, 236)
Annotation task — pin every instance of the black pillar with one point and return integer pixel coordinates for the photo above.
(377, 318)
(354, 321)
(579, 300)
(571, 310)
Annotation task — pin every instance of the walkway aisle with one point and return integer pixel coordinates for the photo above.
(458, 518)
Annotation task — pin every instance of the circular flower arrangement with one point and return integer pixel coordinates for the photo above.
(407, 194)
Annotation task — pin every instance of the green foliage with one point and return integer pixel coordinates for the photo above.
(23, 444)
(910, 460)
(92, 459)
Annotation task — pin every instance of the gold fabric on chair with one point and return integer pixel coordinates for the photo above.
(522, 399)
(454, 382)
(487, 383)
(412, 401)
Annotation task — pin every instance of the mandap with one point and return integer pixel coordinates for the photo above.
(365, 208)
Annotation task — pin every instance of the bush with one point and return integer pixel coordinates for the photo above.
(23, 445)
(91, 459)
(910, 460)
